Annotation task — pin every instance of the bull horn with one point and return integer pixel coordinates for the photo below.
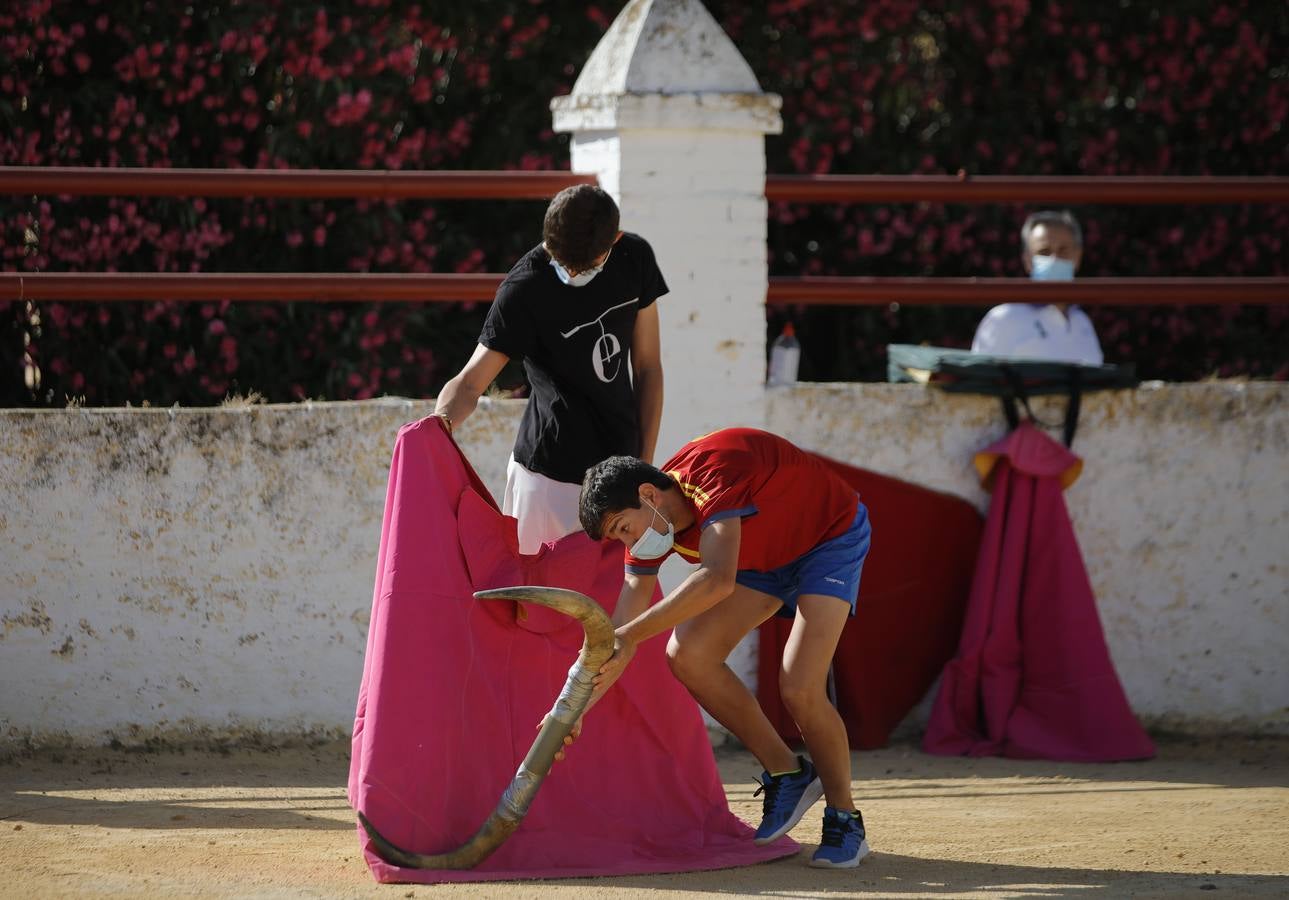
(597, 648)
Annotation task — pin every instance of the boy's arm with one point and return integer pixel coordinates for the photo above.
(637, 591)
(710, 584)
(703, 589)
(646, 377)
(460, 395)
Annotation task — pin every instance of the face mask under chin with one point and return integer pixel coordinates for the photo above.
(581, 279)
(652, 544)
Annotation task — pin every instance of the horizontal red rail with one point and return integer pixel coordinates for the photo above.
(820, 291)
(783, 291)
(358, 183)
(281, 286)
(300, 183)
(1125, 189)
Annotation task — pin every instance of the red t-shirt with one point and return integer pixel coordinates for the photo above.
(789, 500)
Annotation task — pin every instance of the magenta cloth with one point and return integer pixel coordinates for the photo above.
(1032, 678)
(454, 688)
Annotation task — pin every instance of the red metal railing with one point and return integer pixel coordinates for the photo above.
(286, 287)
(783, 291)
(354, 183)
(300, 183)
(857, 291)
(536, 185)
(1129, 190)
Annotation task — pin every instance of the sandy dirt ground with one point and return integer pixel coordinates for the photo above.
(1206, 818)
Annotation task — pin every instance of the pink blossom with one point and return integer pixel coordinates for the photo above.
(350, 108)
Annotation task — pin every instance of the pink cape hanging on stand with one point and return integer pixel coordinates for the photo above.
(1032, 678)
(454, 688)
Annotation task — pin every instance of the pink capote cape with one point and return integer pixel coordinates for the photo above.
(1032, 678)
(454, 688)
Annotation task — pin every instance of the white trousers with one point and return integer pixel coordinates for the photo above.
(546, 509)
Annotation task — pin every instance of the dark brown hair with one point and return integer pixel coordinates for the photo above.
(613, 485)
(580, 226)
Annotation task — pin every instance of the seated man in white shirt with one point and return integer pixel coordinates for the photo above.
(1051, 248)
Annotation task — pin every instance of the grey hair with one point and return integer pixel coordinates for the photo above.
(1064, 218)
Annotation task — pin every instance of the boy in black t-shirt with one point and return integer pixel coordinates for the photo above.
(579, 310)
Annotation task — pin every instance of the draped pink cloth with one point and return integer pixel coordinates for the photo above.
(1032, 677)
(454, 688)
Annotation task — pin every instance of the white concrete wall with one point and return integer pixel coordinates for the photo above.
(206, 574)
(173, 574)
(1182, 514)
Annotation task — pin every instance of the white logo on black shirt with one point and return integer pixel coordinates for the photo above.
(607, 351)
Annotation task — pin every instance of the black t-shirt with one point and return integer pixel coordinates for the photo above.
(575, 343)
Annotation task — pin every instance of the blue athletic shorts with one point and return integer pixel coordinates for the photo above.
(832, 569)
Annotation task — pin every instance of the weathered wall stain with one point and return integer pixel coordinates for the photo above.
(34, 617)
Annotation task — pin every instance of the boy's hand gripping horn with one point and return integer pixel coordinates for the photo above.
(597, 648)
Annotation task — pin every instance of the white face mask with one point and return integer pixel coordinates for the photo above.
(653, 544)
(581, 279)
(1051, 268)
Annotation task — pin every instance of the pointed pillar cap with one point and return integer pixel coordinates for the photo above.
(667, 64)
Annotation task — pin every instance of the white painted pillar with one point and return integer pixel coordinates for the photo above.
(671, 119)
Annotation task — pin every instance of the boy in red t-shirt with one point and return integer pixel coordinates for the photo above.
(772, 531)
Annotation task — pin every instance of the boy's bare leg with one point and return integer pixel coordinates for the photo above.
(803, 684)
(697, 652)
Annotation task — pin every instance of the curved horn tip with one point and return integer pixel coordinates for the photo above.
(525, 591)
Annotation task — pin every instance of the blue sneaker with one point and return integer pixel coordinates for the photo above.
(787, 797)
(843, 844)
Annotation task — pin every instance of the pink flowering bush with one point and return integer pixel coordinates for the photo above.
(883, 86)
(1013, 87)
(364, 84)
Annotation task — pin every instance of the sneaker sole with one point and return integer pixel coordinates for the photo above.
(813, 792)
(849, 864)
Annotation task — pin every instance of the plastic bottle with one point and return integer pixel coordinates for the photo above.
(785, 357)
